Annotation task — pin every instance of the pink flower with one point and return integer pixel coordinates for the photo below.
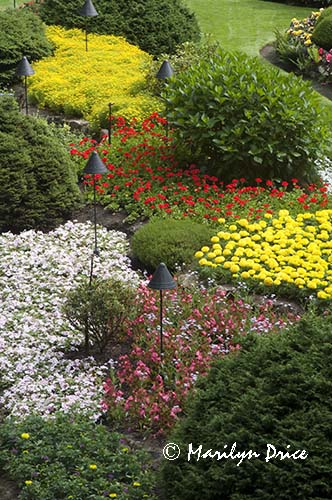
(328, 57)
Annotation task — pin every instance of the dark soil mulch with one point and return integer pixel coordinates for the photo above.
(269, 53)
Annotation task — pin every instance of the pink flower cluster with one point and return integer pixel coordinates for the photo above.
(147, 390)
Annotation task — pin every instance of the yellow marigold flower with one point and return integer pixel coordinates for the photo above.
(216, 246)
(136, 484)
(205, 249)
(25, 435)
(268, 216)
(233, 227)
(214, 239)
(227, 252)
(268, 281)
(112, 495)
(234, 268)
(211, 255)
(28, 482)
(221, 220)
(245, 275)
(322, 295)
(93, 466)
(220, 259)
(199, 254)
(202, 262)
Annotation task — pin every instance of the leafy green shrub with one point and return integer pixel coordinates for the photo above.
(21, 34)
(70, 457)
(322, 34)
(323, 14)
(101, 307)
(277, 390)
(241, 118)
(38, 187)
(171, 241)
(156, 26)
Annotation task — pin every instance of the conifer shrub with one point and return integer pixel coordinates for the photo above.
(171, 241)
(156, 26)
(240, 118)
(275, 391)
(322, 34)
(38, 188)
(22, 33)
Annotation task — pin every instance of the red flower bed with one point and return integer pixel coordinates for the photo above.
(145, 178)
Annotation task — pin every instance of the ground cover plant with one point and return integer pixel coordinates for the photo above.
(158, 27)
(39, 185)
(21, 34)
(72, 458)
(276, 390)
(36, 272)
(147, 390)
(148, 177)
(115, 75)
(293, 254)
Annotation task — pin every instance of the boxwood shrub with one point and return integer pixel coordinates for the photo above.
(38, 187)
(276, 390)
(171, 241)
(242, 118)
(21, 34)
(322, 34)
(156, 26)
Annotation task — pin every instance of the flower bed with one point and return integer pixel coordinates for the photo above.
(36, 270)
(82, 83)
(284, 251)
(147, 390)
(145, 178)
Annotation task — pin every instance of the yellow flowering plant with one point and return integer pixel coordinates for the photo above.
(285, 252)
(82, 83)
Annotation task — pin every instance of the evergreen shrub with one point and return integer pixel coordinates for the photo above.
(38, 188)
(171, 241)
(22, 33)
(322, 34)
(276, 390)
(156, 26)
(241, 118)
(103, 307)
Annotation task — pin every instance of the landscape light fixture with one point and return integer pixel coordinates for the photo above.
(110, 123)
(165, 72)
(24, 69)
(88, 10)
(161, 280)
(94, 166)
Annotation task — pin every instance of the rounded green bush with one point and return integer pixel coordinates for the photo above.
(322, 34)
(242, 118)
(156, 26)
(324, 14)
(21, 34)
(277, 391)
(171, 241)
(38, 186)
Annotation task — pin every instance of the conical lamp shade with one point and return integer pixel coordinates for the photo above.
(88, 9)
(165, 71)
(94, 165)
(162, 279)
(24, 68)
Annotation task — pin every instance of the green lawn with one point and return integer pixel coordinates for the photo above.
(9, 3)
(245, 25)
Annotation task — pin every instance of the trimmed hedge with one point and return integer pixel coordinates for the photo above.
(276, 390)
(241, 118)
(21, 34)
(38, 187)
(156, 26)
(322, 34)
(171, 241)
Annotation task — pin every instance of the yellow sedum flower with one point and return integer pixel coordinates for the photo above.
(81, 83)
(25, 435)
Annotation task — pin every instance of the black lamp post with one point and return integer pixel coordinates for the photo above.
(14, 4)
(88, 10)
(110, 123)
(161, 280)
(24, 69)
(95, 166)
(165, 72)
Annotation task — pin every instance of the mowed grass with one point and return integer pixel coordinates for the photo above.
(245, 25)
(248, 25)
(4, 4)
